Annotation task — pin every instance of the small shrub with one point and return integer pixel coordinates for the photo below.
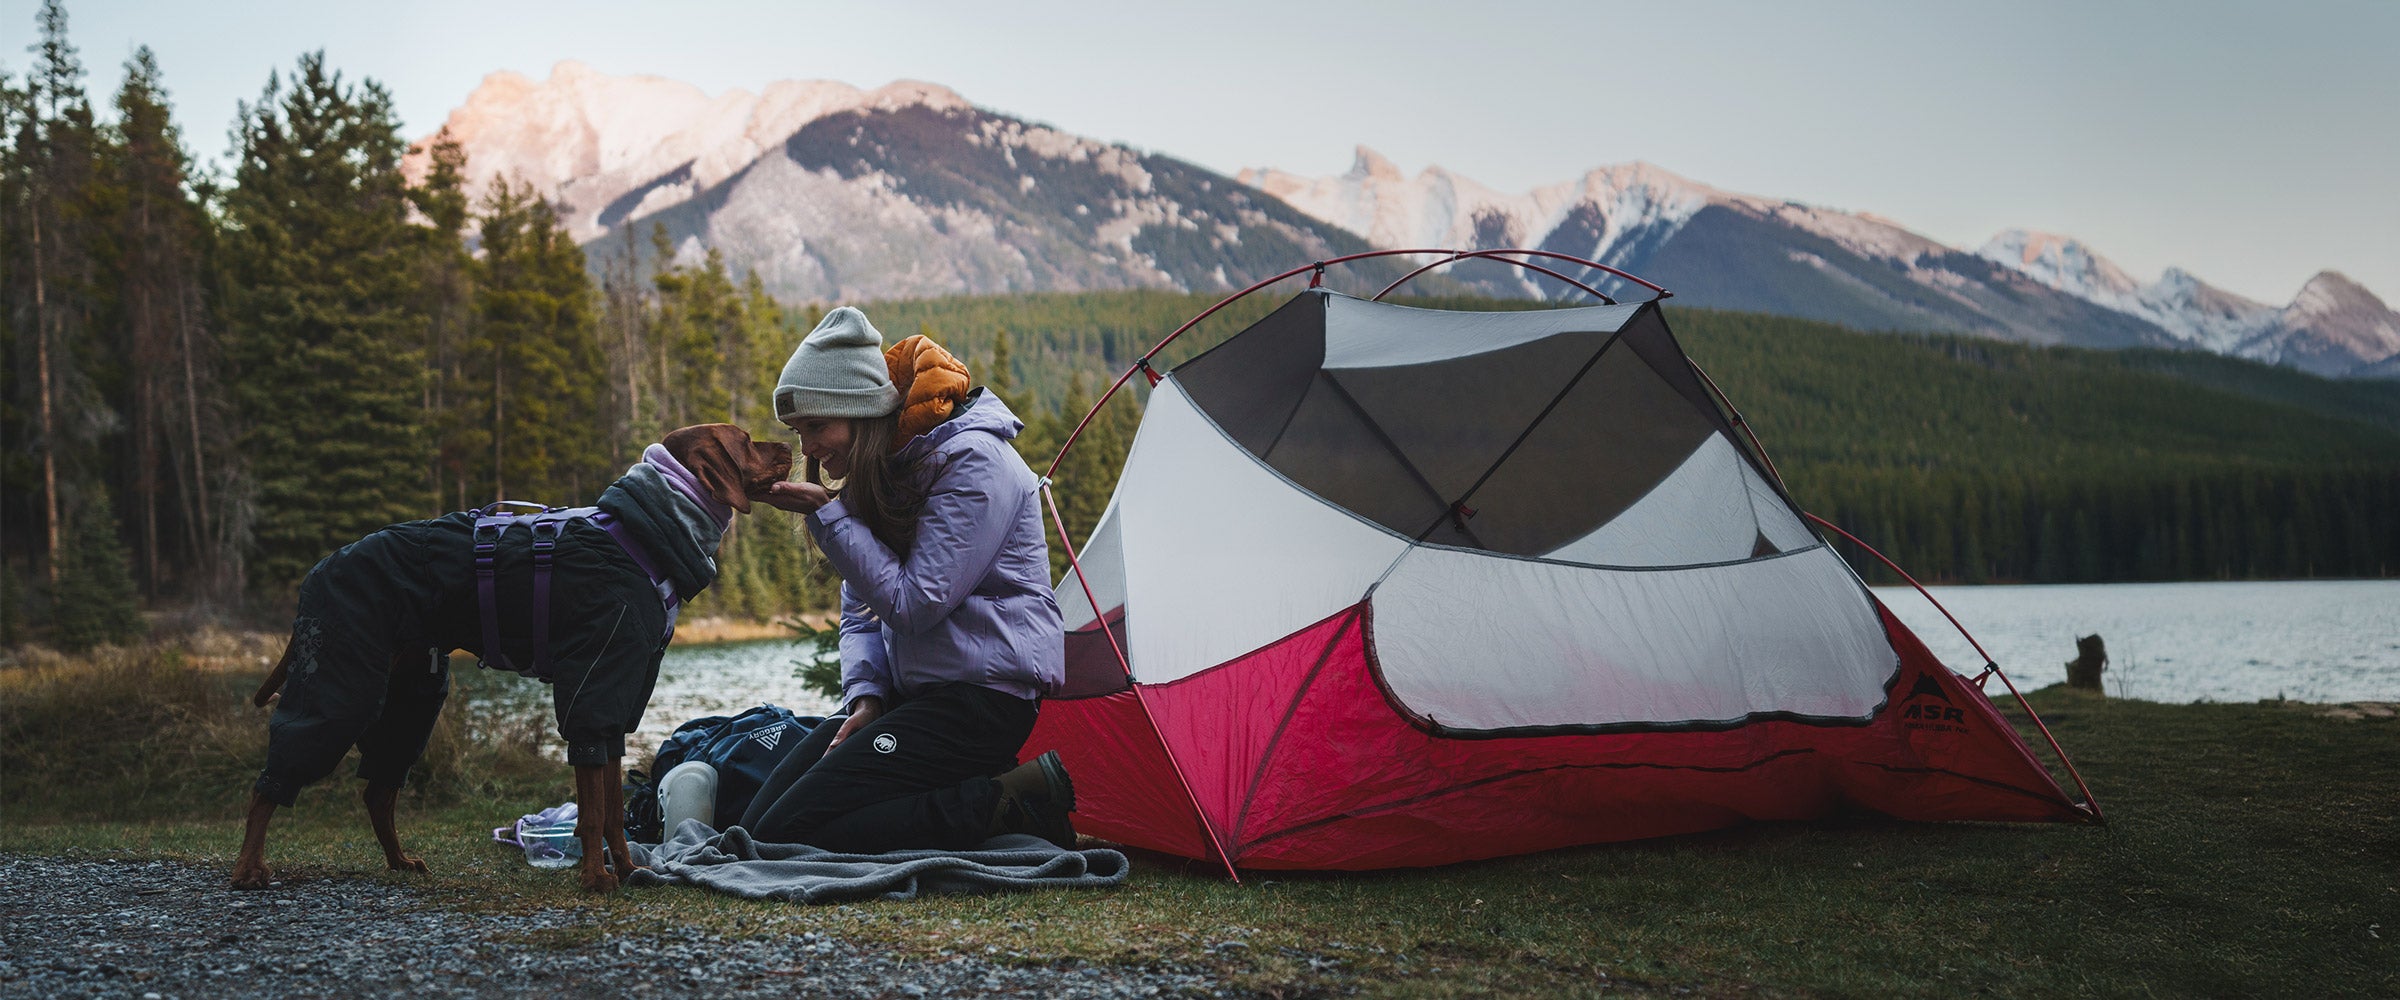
(95, 602)
(820, 669)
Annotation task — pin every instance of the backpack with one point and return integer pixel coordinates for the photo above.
(743, 748)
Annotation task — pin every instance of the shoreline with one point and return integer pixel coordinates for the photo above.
(716, 630)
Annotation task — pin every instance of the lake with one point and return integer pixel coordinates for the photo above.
(2307, 640)
(2314, 640)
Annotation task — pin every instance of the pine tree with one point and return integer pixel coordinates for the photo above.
(755, 358)
(322, 320)
(95, 601)
(532, 375)
(445, 289)
(175, 398)
(697, 313)
(57, 223)
(1002, 374)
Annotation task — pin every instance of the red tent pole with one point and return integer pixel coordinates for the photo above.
(1740, 421)
(2091, 804)
(1492, 255)
(1099, 614)
(1498, 256)
(1990, 665)
(1144, 361)
(1318, 268)
(1141, 698)
(1214, 840)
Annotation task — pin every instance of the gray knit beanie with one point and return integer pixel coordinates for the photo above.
(837, 371)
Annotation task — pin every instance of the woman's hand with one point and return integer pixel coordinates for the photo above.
(797, 497)
(862, 712)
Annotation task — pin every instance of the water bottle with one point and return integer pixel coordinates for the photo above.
(689, 791)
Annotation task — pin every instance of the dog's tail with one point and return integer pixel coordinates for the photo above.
(274, 682)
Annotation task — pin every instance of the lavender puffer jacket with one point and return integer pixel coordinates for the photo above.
(972, 601)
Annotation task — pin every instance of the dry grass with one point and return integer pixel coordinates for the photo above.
(705, 631)
(166, 728)
(2251, 852)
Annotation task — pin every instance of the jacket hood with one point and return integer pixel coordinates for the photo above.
(982, 411)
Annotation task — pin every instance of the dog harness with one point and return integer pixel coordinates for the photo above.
(545, 522)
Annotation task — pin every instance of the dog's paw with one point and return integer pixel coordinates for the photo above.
(251, 875)
(599, 881)
(407, 863)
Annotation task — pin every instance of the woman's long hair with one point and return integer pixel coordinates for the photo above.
(872, 492)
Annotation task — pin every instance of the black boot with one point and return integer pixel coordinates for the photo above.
(1035, 798)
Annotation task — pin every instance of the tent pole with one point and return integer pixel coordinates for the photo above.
(2090, 804)
(1075, 564)
(1316, 269)
(1741, 422)
(1990, 666)
(1143, 698)
(1140, 698)
(1528, 265)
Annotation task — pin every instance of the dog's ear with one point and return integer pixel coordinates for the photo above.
(733, 468)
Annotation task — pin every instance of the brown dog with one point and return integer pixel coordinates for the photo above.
(583, 601)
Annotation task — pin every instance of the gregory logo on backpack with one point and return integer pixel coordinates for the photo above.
(743, 749)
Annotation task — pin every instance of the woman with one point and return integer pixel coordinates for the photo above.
(950, 634)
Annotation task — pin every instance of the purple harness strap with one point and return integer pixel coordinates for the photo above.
(641, 557)
(491, 523)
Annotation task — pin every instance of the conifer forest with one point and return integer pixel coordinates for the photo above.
(220, 365)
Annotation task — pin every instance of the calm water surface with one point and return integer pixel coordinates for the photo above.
(725, 678)
(2307, 640)
(2327, 641)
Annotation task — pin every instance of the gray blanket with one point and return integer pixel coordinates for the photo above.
(732, 862)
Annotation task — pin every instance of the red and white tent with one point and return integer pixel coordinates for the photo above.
(1385, 587)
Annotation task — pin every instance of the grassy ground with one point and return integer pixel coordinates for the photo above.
(2252, 851)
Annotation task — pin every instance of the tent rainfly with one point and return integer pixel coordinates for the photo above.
(1389, 587)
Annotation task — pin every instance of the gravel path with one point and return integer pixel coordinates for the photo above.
(162, 929)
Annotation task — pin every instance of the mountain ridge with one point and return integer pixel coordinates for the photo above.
(832, 191)
(2054, 289)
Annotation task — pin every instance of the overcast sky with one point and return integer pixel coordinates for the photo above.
(2252, 144)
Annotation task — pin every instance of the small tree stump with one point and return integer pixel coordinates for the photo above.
(2091, 657)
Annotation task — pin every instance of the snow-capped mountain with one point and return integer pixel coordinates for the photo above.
(1713, 247)
(1740, 251)
(2333, 327)
(2192, 311)
(830, 192)
(1613, 206)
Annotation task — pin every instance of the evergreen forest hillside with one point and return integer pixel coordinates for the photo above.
(210, 378)
(1964, 460)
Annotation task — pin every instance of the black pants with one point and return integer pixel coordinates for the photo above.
(918, 776)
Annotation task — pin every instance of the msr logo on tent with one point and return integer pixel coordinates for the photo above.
(1942, 718)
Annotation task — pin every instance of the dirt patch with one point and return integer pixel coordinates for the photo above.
(2360, 710)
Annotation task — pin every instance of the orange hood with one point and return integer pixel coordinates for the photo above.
(931, 384)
